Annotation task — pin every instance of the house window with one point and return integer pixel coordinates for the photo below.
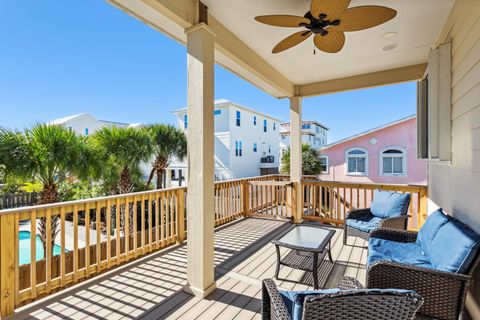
(86, 131)
(323, 164)
(269, 149)
(255, 147)
(274, 126)
(238, 148)
(317, 129)
(70, 129)
(393, 161)
(265, 125)
(306, 126)
(357, 162)
(217, 112)
(254, 120)
(238, 118)
(185, 121)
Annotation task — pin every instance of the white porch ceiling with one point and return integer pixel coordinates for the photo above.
(417, 24)
(244, 45)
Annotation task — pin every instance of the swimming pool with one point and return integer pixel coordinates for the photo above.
(24, 248)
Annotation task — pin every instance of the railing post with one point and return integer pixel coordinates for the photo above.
(181, 216)
(246, 198)
(423, 207)
(7, 264)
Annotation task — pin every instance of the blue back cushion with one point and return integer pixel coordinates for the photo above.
(454, 247)
(294, 300)
(387, 204)
(429, 230)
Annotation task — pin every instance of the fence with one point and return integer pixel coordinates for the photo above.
(15, 200)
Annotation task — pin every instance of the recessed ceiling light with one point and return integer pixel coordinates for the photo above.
(390, 47)
(389, 35)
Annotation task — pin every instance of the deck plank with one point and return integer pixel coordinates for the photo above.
(152, 288)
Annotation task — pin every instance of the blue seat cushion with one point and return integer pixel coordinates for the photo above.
(387, 204)
(401, 252)
(365, 223)
(429, 230)
(294, 300)
(454, 247)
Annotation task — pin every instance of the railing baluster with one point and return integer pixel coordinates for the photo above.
(157, 221)
(33, 253)
(108, 215)
(126, 230)
(62, 246)
(135, 227)
(99, 239)
(117, 231)
(150, 208)
(142, 227)
(87, 239)
(16, 240)
(48, 253)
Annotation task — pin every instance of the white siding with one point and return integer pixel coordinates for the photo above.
(455, 186)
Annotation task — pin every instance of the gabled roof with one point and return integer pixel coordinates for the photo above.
(369, 131)
(64, 120)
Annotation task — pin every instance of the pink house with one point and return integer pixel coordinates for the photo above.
(387, 154)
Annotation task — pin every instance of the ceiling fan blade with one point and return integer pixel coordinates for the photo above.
(291, 41)
(332, 42)
(364, 17)
(283, 20)
(332, 8)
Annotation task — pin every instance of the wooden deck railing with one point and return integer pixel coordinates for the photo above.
(328, 201)
(99, 234)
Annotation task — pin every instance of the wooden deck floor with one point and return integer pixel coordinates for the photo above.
(151, 288)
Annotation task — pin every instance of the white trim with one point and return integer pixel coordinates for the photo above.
(325, 172)
(404, 162)
(356, 174)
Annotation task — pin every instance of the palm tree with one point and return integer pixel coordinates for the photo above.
(46, 153)
(310, 161)
(122, 150)
(168, 142)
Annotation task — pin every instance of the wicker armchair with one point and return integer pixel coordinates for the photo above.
(349, 304)
(444, 292)
(391, 223)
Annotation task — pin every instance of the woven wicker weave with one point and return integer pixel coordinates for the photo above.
(444, 292)
(393, 223)
(344, 305)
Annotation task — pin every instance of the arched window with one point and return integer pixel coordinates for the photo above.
(357, 162)
(393, 161)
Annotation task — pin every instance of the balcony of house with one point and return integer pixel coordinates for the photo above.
(125, 256)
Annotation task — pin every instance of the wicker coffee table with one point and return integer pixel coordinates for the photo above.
(309, 244)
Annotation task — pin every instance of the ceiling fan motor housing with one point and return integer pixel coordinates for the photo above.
(317, 26)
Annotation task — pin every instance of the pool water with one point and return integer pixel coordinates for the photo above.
(24, 248)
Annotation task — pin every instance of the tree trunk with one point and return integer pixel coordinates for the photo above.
(49, 195)
(160, 164)
(150, 178)
(159, 179)
(126, 186)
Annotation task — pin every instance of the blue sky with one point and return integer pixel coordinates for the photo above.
(59, 58)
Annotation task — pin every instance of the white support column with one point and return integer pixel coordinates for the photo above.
(200, 135)
(296, 156)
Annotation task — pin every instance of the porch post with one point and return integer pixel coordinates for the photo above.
(296, 157)
(200, 135)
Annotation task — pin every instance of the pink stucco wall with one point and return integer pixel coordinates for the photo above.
(402, 134)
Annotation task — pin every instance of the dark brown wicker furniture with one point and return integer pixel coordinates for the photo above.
(349, 304)
(393, 223)
(444, 292)
(309, 244)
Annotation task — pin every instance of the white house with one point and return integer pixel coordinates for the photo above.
(246, 142)
(86, 124)
(313, 133)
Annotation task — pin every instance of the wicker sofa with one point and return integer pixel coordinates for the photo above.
(437, 262)
(349, 301)
(388, 210)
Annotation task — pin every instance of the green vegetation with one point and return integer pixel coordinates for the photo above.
(310, 161)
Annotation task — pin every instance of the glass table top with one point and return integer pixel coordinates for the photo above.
(305, 236)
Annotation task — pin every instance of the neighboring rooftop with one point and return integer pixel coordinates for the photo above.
(369, 131)
(224, 102)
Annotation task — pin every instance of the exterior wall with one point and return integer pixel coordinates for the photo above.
(455, 186)
(227, 165)
(80, 123)
(402, 135)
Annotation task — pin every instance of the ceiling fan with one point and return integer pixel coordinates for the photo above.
(328, 20)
